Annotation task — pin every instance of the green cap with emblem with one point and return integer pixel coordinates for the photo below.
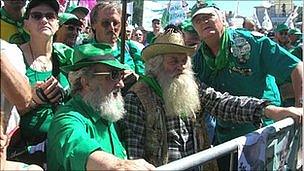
(203, 7)
(68, 18)
(281, 27)
(73, 8)
(187, 26)
(95, 53)
(294, 31)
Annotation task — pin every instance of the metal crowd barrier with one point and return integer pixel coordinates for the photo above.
(217, 151)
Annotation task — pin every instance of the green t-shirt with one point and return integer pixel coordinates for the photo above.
(75, 132)
(37, 122)
(255, 63)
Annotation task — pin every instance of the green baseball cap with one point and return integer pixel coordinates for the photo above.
(294, 31)
(94, 53)
(74, 8)
(187, 26)
(68, 18)
(203, 7)
(281, 27)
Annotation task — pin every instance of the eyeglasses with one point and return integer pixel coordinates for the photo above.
(115, 75)
(39, 15)
(283, 33)
(73, 28)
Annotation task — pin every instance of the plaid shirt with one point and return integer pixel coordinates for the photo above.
(180, 130)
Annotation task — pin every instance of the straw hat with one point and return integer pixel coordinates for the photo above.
(166, 43)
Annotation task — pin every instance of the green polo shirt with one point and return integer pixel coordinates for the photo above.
(77, 131)
(258, 63)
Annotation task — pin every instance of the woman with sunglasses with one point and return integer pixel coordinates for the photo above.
(49, 85)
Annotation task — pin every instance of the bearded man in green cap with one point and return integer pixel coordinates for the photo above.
(240, 62)
(82, 135)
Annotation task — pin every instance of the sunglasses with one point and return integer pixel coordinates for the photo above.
(72, 28)
(39, 15)
(115, 75)
(283, 33)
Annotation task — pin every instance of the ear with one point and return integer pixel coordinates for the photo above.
(84, 83)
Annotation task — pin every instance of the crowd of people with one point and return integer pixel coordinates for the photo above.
(70, 100)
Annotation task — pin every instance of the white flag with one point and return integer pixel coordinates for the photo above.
(291, 17)
(266, 24)
(256, 20)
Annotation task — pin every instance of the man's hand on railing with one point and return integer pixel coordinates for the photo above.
(279, 113)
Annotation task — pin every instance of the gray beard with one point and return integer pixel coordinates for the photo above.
(180, 94)
(109, 107)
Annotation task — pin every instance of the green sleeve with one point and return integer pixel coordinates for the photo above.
(69, 144)
(276, 60)
(135, 53)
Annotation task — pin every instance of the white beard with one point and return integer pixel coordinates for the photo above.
(110, 108)
(180, 94)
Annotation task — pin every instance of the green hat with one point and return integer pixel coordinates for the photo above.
(281, 27)
(294, 31)
(202, 7)
(187, 26)
(66, 18)
(95, 53)
(74, 8)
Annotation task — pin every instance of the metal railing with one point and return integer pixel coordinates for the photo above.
(217, 151)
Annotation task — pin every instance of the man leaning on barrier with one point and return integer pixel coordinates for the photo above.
(82, 134)
(164, 120)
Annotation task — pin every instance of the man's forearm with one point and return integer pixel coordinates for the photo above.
(296, 77)
(14, 85)
(100, 160)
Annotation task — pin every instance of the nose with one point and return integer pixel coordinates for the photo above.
(44, 20)
(120, 84)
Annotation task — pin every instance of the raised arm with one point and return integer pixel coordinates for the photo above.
(243, 108)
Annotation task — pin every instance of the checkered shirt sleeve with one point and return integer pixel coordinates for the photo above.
(133, 128)
(234, 108)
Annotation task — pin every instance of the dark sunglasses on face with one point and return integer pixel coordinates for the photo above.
(73, 28)
(283, 33)
(39, 15)
(115, 75)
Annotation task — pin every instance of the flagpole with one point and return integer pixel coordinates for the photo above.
(123, 31)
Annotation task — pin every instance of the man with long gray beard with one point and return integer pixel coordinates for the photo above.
(82, 134)
(164, 120)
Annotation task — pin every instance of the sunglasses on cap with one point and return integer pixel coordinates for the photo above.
(73, 28)
(39, 15)
(115, 75)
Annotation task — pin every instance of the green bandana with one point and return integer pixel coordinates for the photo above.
(153, 84)
(218, 62)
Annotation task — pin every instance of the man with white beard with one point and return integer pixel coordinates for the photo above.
(82, 134)
(164, 120)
